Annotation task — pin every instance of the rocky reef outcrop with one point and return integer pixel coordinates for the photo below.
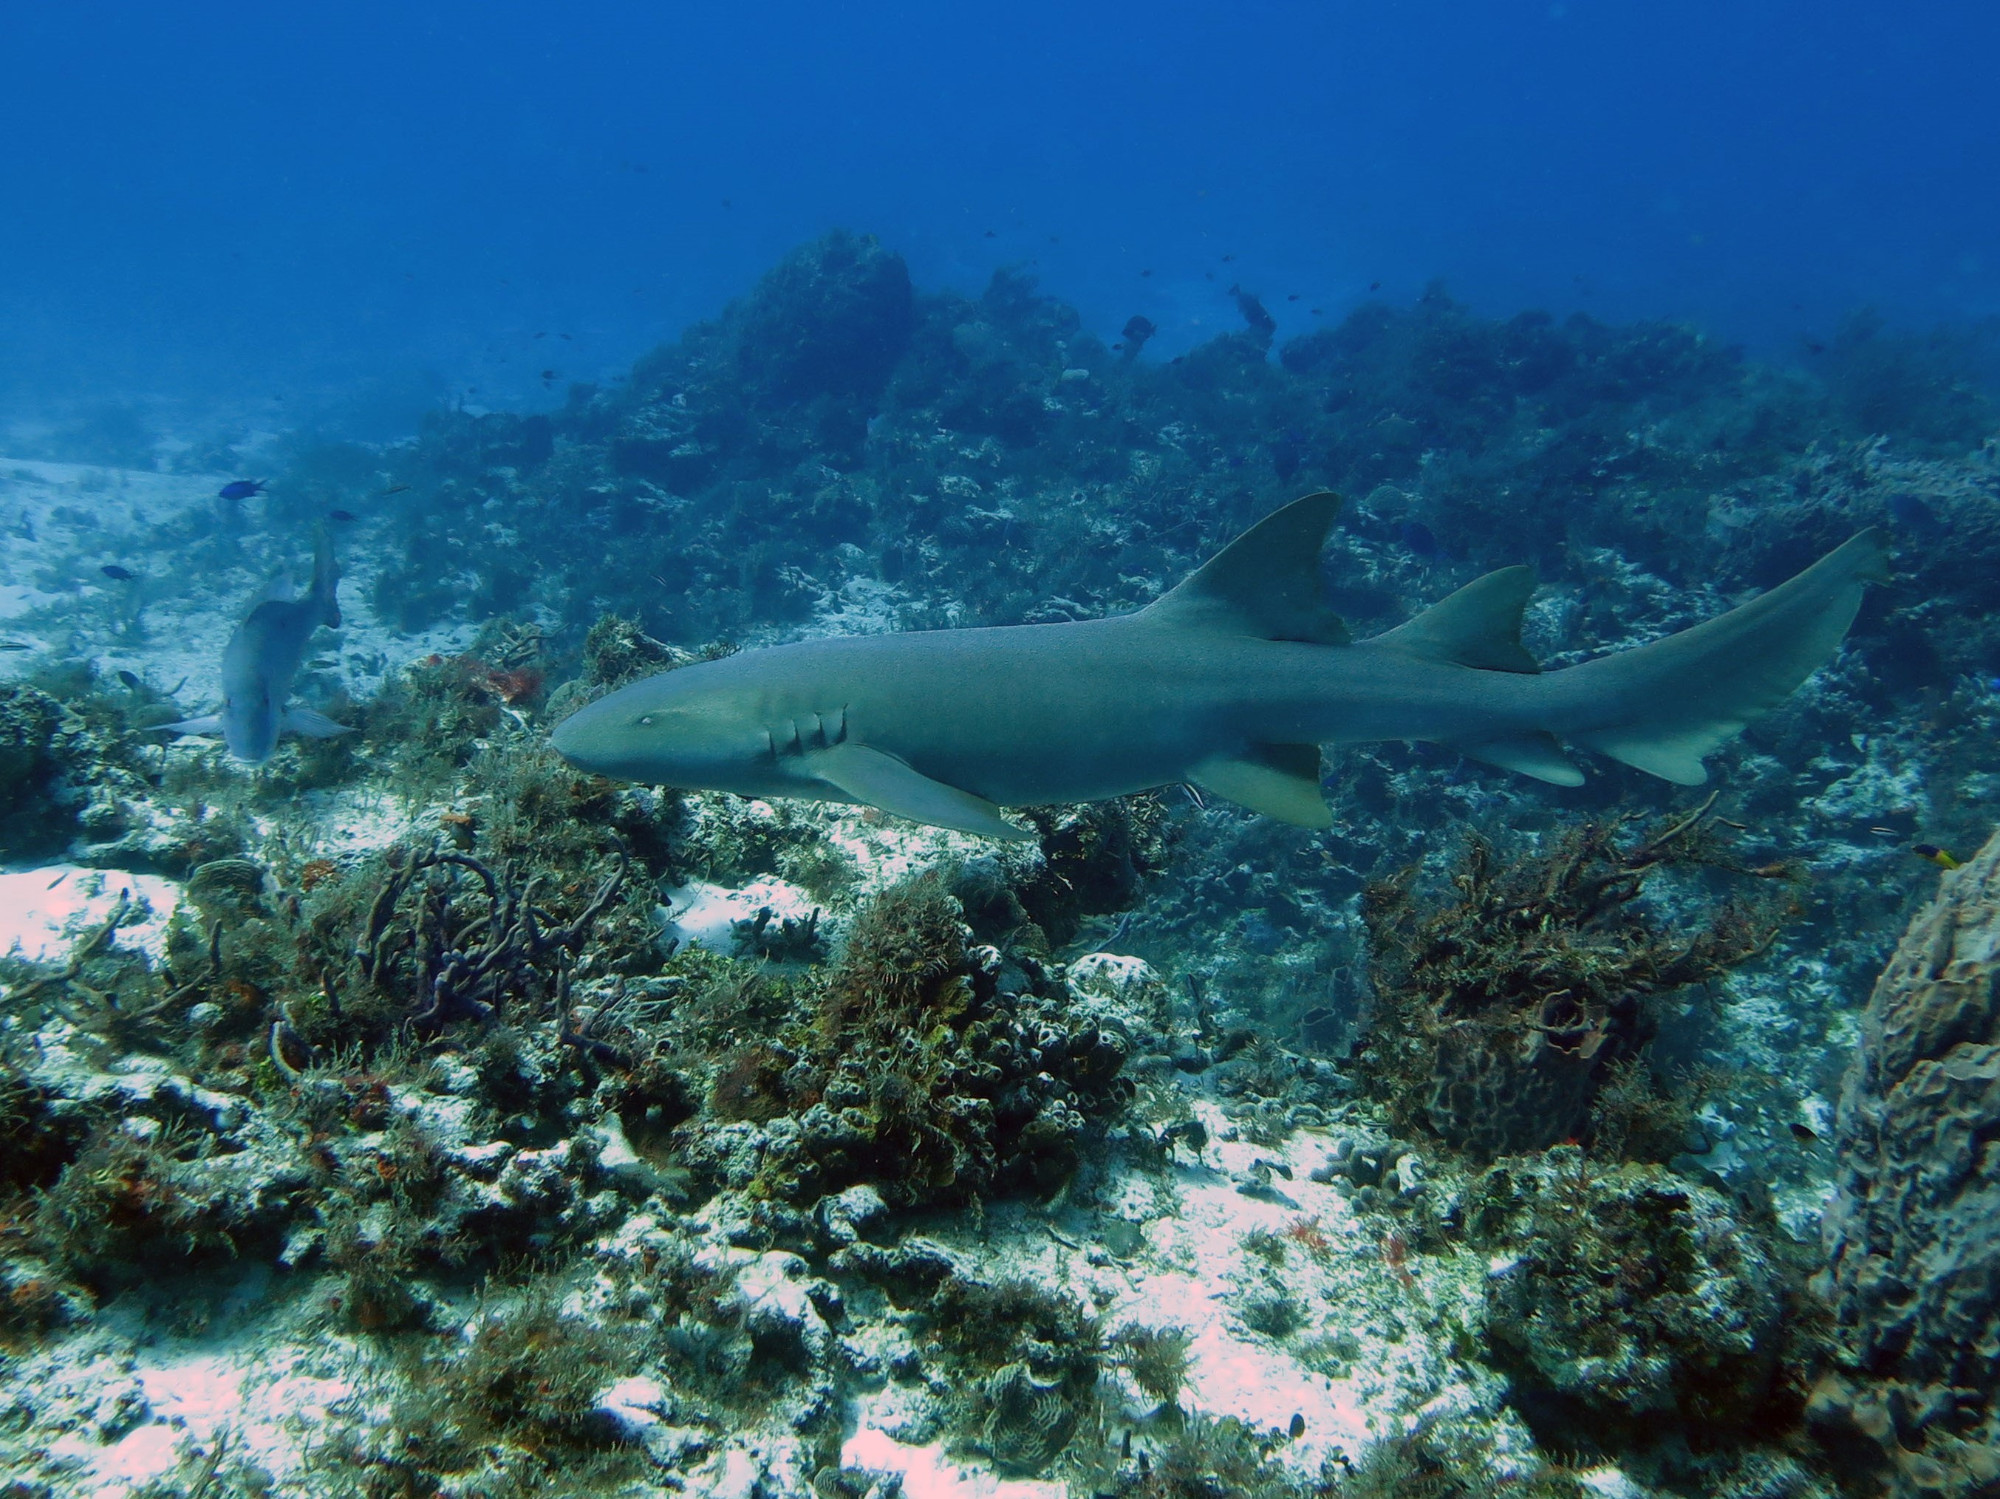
(1913, 1232)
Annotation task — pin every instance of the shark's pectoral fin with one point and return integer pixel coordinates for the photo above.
(881, 780)
(210, 723)
(1532, 754)
(313, 725)
(1278, 780)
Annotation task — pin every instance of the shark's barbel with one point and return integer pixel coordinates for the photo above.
(259, 662)
(1231, 681)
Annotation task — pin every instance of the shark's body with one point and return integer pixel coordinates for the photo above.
(1232, 682)
(259, 663)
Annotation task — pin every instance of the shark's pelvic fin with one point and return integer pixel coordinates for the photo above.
(1265, 583)
(1278, 780)
(1663, 706)
(1480, 626)
(1532, 754)
(882, 780)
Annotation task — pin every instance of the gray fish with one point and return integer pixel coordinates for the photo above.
(259, 663)
(1232, 681)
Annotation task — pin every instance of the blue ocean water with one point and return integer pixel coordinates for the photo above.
(449, 1046)
(372, 206)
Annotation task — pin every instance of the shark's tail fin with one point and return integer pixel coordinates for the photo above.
(326, 579)
(1663, 706)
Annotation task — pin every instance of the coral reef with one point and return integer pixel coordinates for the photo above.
(1913, 1259)
(1631, 1306)
(70, 776)
(486, 1127)
(918, 1075)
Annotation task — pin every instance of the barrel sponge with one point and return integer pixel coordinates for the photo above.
(1913, 1269)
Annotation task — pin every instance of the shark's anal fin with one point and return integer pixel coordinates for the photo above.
(881, 780)
(1532, 754)
(1278, 780)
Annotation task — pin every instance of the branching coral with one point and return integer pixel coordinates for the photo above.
(462, 958)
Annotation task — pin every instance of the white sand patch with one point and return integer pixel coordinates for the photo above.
(928, 1474)
(705, 915)
(44, 911)
(1199, 1274)
(359, 821)
(201, 1399)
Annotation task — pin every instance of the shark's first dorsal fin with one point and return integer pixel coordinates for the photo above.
(1265, 583)
(1480, 625)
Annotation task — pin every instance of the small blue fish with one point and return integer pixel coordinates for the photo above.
(1420, 539)
(240, 489)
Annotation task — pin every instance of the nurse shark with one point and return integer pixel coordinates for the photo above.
(1233, 682)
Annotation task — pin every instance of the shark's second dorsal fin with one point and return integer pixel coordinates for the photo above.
(1480, 625)
(1265, 583)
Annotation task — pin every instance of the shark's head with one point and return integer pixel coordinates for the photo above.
(681, 728)
(250, 722)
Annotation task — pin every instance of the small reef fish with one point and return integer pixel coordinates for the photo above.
(1420, 539)
(130, 679)
(1232, 681)
(259, 663)
(1943, 858)
(116, 573)
(240, 489)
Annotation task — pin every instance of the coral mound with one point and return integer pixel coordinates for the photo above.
(1634, 1305)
